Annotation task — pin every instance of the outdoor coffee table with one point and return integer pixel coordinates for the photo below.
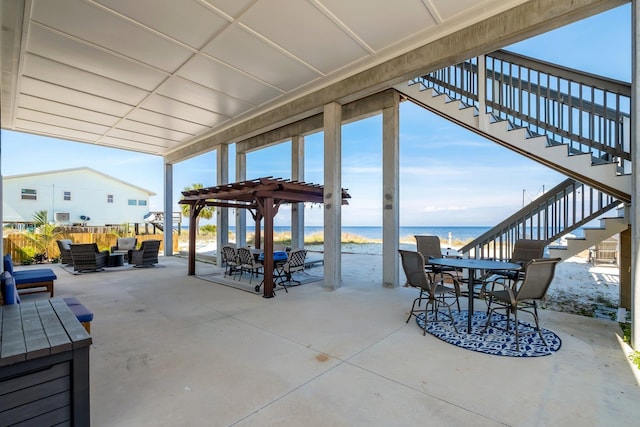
(115, 260)
(472, 265)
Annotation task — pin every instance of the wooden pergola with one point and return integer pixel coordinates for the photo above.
(262, 197)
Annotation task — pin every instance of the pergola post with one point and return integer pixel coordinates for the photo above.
(268, 214)
(257, 240)
(194, 211)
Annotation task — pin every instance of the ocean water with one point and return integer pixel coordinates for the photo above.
(371, 237)
(374, 233)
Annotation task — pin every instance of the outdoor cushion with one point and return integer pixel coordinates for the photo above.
(10, 292)
(81, 312)
(71, 301)
(8, 264)
(126, 243)
(34, 276)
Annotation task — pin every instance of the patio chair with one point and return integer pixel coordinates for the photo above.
(295, 263)
(248, 263)
(64, 246)
(147, 255)
(435, 293)
(230, 260)
(430, 247)
(524, 250)
(523, 295)
(124, 245)
(87, 257)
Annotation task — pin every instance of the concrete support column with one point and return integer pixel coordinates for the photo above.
(635, 153)
(332, 195)
(222, 214)
(168, 210)
(297, 209)
(390, 191)
(241, 214)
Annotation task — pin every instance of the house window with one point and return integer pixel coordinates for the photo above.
(132, 202)
(67, 195)
(142, 203)
(109, 198)
(29, 194)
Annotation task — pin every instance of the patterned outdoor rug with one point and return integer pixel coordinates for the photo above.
(495, 341)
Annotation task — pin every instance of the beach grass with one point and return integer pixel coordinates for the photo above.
(317, 238)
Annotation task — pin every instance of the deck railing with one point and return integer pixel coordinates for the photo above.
(562, 209)
(588, 113)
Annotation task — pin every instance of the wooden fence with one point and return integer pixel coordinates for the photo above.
(16, 243)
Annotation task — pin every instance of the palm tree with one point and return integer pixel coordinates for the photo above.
(43, 235)
(206, 212)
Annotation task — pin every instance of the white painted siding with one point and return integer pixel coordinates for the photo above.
(88, 190)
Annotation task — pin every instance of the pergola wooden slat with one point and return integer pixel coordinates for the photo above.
(262, 197)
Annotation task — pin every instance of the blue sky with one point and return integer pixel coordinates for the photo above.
(449, 176)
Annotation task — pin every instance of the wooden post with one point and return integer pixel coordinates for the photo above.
(268, 247)
(193, 217)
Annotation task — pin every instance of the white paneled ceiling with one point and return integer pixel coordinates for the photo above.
(157, 75)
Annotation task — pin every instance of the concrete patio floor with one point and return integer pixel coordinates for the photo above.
(174, 350)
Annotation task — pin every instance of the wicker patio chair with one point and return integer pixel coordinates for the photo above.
(147, 255)
(124, 245)
(64, 246)
(87, 257)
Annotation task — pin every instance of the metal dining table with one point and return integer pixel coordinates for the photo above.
(473, 265)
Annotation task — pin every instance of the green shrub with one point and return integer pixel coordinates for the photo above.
(27, 255)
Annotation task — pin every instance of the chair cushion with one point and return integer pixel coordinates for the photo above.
(34, 276)
(126, 243)
(66, 243)
(8, 264)
(10, 292)
(82, 313)
(71, 301)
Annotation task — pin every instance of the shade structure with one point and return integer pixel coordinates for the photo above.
(262, 197)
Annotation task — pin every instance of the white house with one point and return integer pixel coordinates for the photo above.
(74, 196)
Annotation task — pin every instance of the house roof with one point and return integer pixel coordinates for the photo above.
(80, 169)
(176, 78)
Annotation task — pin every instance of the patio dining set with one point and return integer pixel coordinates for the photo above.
(85, 257)
(512, 286)
(286, 261)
